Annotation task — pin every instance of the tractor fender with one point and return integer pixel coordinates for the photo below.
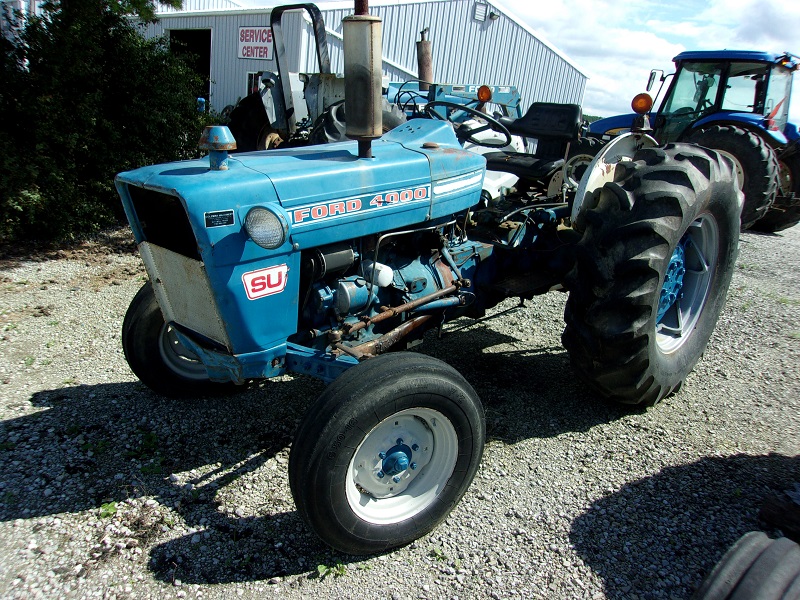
(603, 168)
(612, 126)
(748, 121)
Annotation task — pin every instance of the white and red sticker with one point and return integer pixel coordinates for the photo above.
(315, 213)
(265, 282)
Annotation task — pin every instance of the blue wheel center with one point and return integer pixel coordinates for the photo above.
(673, 280)
(397, 460)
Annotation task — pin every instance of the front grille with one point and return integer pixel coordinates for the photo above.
(164, 221)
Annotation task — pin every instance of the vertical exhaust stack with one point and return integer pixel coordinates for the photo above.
(424, 60)
(363, 77)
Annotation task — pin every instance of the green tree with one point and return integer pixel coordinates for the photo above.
(88, 96)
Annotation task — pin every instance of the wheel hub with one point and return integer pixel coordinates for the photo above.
(673, 281)
(397, 459)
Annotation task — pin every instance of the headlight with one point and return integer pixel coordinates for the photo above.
(265, 228)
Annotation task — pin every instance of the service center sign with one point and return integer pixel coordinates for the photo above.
(255, 42)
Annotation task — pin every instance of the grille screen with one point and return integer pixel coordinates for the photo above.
(164, 221)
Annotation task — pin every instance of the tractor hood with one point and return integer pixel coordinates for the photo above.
(325, 193)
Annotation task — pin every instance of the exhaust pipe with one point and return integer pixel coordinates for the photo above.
(363, 77)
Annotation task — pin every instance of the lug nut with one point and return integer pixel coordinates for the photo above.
(415, 447)
(413, 466)
(399, 441)
(380, 474)
(381, 455)
(396, 478)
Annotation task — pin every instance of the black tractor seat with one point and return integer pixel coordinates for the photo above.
(553, 126)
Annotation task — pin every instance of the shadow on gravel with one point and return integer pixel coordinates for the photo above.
(691, 509)
(527, 391)
(95, 445)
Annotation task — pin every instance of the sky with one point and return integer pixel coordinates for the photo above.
(617, 42)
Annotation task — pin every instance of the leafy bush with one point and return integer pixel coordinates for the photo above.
(84, 96)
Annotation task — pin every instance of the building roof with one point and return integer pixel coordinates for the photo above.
(204, 6)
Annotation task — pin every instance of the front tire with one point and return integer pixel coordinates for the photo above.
(652, 271)
(755, 163)
(156, 356)
(386, 452)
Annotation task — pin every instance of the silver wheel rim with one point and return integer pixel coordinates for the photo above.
(178, 357)
(700, 248)
(401, 466)
(737, 167)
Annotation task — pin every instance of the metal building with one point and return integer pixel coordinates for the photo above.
(474, 42)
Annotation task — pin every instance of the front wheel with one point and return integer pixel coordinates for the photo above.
(652, 271)
(156, 355)
(386, 452)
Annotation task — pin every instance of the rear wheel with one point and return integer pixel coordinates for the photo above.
(785, 211)
(386, 452)
(755, 163)
(652, 271)
(755, 567)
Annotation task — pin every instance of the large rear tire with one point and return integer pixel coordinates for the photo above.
(755, 163)
(652, 271)
(386, 452)
(785, 211)
(755, 567)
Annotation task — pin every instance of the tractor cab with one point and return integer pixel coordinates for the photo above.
(752, 88)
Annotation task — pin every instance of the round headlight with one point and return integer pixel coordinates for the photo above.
(265, 228)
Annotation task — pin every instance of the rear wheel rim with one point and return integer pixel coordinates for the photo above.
(697, 254)
(737, 167)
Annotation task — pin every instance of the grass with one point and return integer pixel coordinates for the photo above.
(336, 570)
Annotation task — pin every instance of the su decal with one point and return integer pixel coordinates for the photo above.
(265, 282)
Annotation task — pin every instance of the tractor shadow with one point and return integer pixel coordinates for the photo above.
(689, 526)
(96, 445)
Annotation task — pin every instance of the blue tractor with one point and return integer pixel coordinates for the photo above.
(330, 260)
(736, 102)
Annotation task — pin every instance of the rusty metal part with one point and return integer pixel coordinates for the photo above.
(424, 61)
(362, 7)
(389, 339)
(389, 312)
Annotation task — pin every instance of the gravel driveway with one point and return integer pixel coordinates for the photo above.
(107, 490)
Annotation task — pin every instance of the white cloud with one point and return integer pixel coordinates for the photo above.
(618, 43)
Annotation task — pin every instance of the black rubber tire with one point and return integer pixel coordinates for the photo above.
(785, 211)
(342, 418)
(332, 125)
(632, 227)
(755, 567)
(141, 342)
(757, 159)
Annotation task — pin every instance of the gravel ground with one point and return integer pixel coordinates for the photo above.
(107, 490)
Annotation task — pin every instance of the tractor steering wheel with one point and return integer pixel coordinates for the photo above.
(468, 135)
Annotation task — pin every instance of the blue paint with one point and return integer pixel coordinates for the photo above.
(673, 281)
(398, 459)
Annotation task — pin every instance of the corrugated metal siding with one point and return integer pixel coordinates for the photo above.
(200, 6)
(228, 72)
(500, 52)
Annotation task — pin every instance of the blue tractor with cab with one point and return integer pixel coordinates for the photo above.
(736, 102)
(332, 260)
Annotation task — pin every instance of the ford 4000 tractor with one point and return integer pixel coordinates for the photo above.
(331, 260)
(736, 102)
